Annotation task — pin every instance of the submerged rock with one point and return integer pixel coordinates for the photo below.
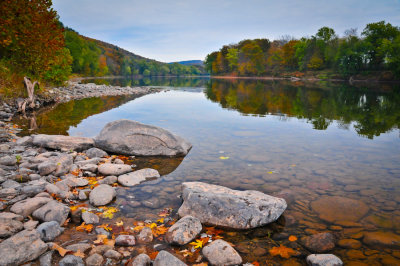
(22, 247)
(60, 142)
(382, 239)
(323, 260)
(137, 177)
(184, 231)
(219, 252)
(222, 206)
(335, 208)
(321, 242)
(133, 138)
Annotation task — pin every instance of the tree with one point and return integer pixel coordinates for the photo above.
(326, 34)
(232, 57)
(30, 35)
(375, 34)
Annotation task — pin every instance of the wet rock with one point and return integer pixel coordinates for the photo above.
(382, 239)
(9, 227)
(142, 260)
(8, 160)
(184, 231)
(71, 260)
(60, 142)
(125, 240)
(349, 243)
(27, 206)
(133, 138)
(219, 252)
(355, 254)
(137, 177)
(145, 235)
(323, 260)
(49, 230)
(114, 169)
(83, 247)
(165, 258)
(95, 152)
(335, 208)
(112, 254)
(222, 206)
(22, 247)
(94, 260)
(152, 203)
(102, 195)
(46, 258)
(52, 211)
(321, 242)
(90, 218)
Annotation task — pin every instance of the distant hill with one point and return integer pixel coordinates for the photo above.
(92, 57)
(191, 63)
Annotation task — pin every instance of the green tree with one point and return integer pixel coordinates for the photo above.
(233, 57)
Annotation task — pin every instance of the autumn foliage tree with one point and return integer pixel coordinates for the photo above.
(31, 38)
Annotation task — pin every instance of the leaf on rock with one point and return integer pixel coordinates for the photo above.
(61, 251)
(79, 253)
(159, 230)
(100, 239)
(224, 157)
(282, 251)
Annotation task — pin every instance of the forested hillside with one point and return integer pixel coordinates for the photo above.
(96, 58)
(377, 49)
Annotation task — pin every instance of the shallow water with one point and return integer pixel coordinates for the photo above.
(305, 142)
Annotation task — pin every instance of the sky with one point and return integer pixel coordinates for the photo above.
(169, 31)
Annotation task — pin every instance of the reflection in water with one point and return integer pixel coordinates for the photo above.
(372, 112)
(56, 120)
(152, 81)
(271, 149)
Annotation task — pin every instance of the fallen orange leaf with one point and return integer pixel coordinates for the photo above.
(292, 238)
(153, 255)
(85, 227)
(79, 254)
(61, 251)
(282, 251)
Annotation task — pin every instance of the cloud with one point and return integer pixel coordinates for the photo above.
(168, 30)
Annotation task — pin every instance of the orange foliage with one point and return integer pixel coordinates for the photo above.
(282, 251)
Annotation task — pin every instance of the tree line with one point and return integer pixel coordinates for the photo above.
(377, 49)
(33, 42)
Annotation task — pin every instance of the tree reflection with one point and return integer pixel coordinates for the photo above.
(370, 111)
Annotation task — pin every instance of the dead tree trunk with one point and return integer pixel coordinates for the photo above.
(30, 88)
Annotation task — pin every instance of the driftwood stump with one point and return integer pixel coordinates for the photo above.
(30, 88)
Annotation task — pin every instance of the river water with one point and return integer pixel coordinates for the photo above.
(331, 149)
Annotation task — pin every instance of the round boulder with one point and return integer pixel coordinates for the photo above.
(102, 195)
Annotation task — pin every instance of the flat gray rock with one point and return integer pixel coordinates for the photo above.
(22, 247)
(165, 258)
(60, 142)
(9, 227)
(142, 260)
(8, 160)
(125, 240)
(71, 260)
(137, 177)
(133, 138)
(323, 260)
(95, 152)
(52, 211)
(49, 230)
(222, 206)
(94, 260)
(114, 169)
(83, 247)
(220, 253)
(27, 206)
(90, 218)
(184, 231)
(102, 195)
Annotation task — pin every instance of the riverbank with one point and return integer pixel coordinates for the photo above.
(72, 91)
